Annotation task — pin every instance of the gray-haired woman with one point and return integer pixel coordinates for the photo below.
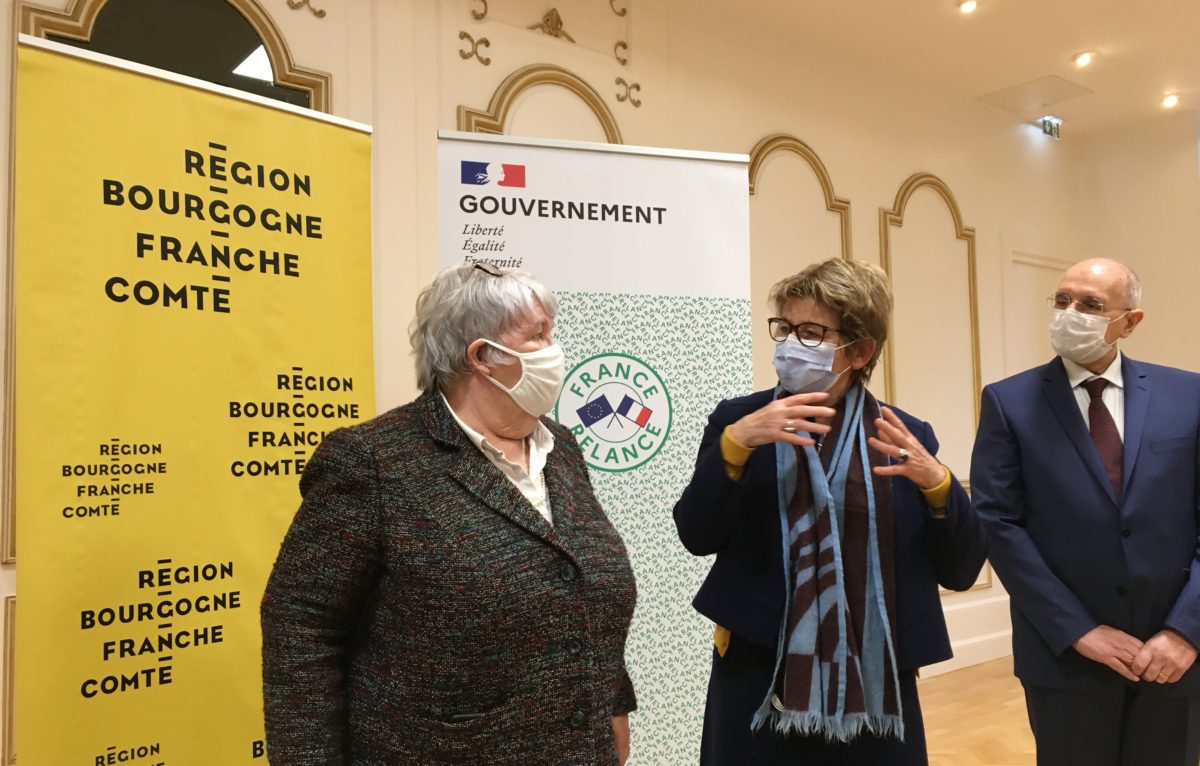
(450, 591)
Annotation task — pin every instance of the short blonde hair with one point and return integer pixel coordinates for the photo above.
(858, 292)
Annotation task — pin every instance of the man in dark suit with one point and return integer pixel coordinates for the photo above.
(1085, 474)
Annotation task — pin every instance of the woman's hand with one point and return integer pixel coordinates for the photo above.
(784, 420)
(910, 458)
(620, 725)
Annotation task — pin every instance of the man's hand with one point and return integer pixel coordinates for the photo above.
(1111, 647)
(621, 736)
(784, 420)
(1164, 658)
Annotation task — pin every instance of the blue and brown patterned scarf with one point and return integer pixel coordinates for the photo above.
(835, 673)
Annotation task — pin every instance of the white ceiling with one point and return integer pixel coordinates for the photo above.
(1146, 48)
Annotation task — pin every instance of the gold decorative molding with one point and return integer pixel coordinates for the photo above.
(630, 89)
(77, 20)
(895, 217)
(296, 5)
(552, 24)
(480, 15)
(475, 44)
(613, 4)
(491, 120)
(783, 142)
(10, 667)
(621, 45)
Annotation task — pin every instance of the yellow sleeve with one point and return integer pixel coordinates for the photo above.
(735, 455)
(937, 497)
(721, 639)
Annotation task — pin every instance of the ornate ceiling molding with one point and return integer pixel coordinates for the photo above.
(77, 21)
(783, 142)
(296, 5)
(552, 25)
(475, 45)
(630, 92)
(492, 119)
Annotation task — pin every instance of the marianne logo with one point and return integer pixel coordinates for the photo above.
(487, 173)
(619, 410)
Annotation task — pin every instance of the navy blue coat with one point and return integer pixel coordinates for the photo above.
(739, 521)
(1069, 553)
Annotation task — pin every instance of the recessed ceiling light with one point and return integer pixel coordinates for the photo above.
(1170, 101)
(968, 6)
(1083, 59)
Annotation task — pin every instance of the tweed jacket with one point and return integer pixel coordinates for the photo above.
(421, 611)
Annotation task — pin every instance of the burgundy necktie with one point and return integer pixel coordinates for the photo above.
(1104, 433)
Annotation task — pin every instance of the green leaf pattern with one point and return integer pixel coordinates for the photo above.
(701, 348)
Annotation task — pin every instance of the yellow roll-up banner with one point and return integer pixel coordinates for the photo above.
(192, 288)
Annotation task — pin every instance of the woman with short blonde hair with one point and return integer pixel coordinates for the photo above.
(833, 524)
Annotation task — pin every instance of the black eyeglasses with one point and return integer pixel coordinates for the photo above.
(488, 268)
(809, 334)
(1087, 305)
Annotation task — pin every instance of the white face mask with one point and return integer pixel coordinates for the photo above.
(1078, 336)
(804, 370)
(542, 374)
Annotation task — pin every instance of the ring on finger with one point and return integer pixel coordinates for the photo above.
(791, 429)
(902, 456)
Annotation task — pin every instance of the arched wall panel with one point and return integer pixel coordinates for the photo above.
(931, 360)
(796, 220)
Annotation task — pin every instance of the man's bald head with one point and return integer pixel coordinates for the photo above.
(1121, 284)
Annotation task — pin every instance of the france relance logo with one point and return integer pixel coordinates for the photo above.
(619, 410)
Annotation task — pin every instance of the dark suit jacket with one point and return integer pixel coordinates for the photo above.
(421, 611)
(1071, 556)
(739, 521)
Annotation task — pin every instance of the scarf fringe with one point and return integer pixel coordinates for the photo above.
(844, 728)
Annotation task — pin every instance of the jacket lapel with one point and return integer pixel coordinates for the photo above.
(480, 477)
(1137, 400)
(561, 483)
(1057, 390)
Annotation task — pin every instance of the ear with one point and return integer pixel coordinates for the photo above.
(475, 363)
(1132, 320)
(862, 351)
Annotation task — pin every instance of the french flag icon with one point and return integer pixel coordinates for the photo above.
(631, 410)
(498, 173)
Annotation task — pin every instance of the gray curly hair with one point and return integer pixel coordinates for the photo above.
(466, 303)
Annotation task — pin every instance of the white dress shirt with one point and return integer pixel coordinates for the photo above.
(531, 483)
(1113, 395)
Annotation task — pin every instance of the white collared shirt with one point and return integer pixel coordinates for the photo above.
(1113, 395)
(531, 483)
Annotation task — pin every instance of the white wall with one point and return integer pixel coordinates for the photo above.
(1141, 190)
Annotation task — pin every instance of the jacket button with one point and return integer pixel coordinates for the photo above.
(567, 573)
(578, 718)
(1121, 590)
(574, 647)
(1126, 531)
